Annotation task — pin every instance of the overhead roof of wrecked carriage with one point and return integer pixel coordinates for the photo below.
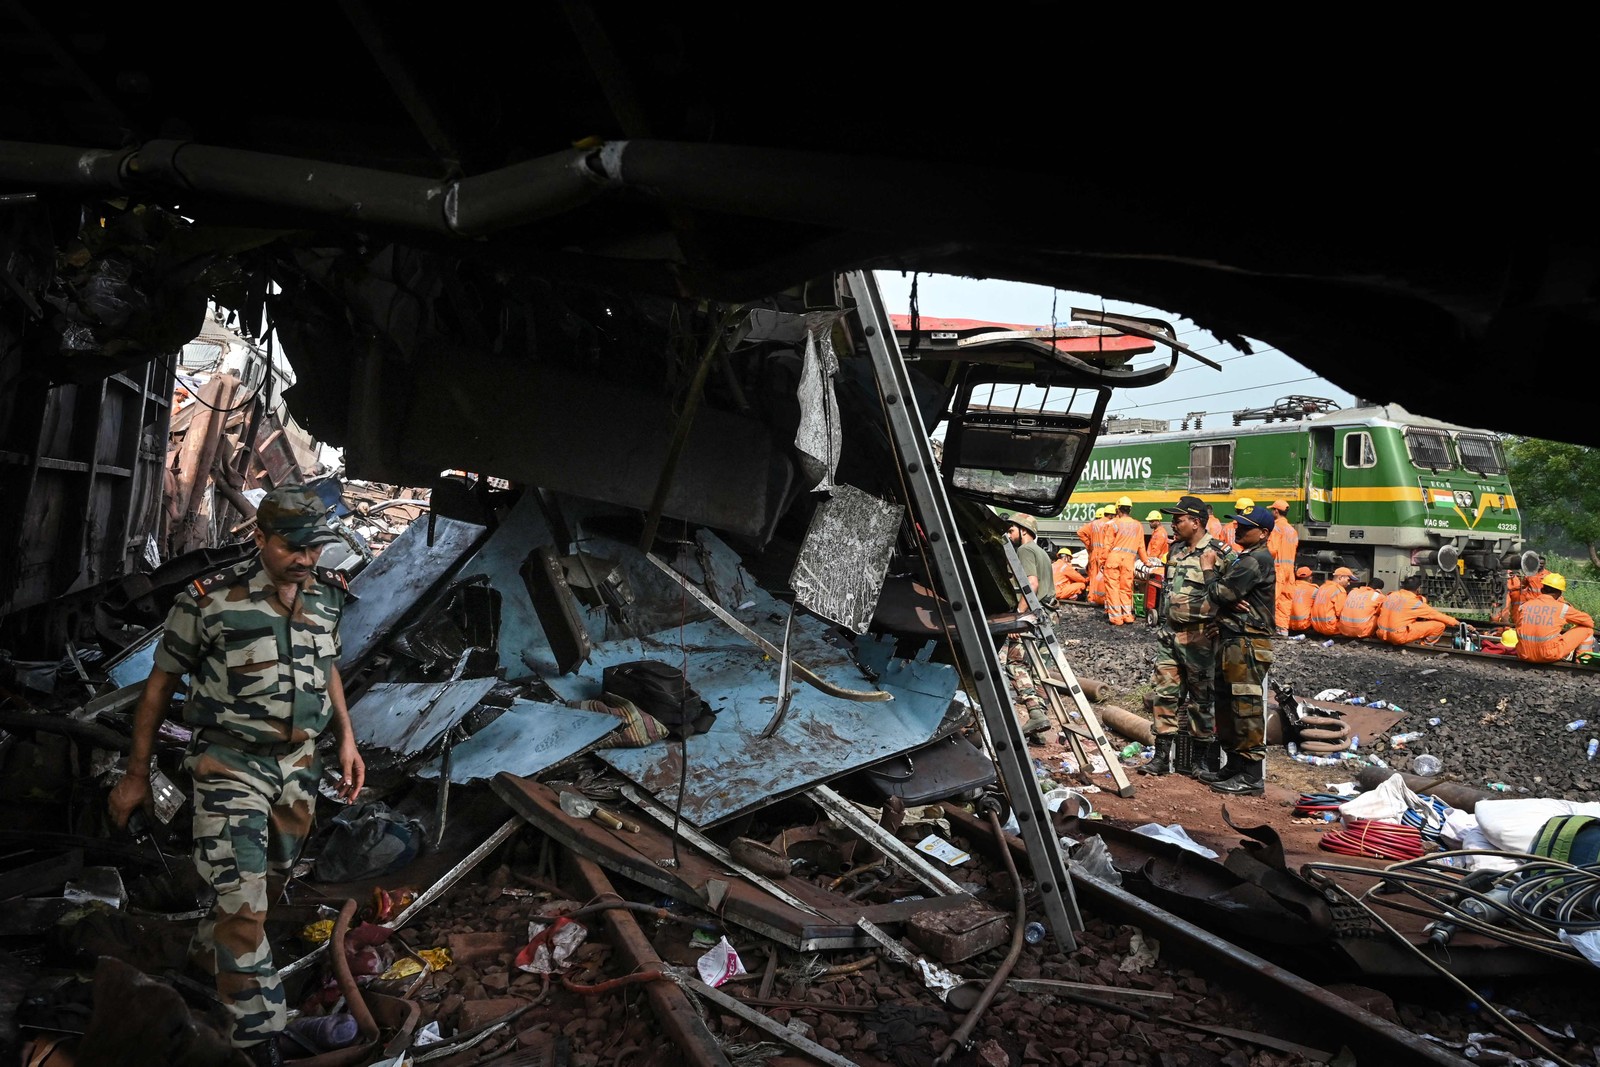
(738, 160)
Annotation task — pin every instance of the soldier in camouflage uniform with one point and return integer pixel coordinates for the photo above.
(1022, 530)
(1243, 600)
(259, 644)
(1186, 664)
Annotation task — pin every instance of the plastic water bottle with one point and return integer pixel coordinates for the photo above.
(1594, 746)
(1435, 721)
(1328, 643)
(1355, 742)
(1576, 724)
(1402, 740)
(1034, 933)
(1427, 766)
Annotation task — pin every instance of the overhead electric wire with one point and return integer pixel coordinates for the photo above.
(1224, 392)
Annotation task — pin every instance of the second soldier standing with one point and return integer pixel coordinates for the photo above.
(1244, 600)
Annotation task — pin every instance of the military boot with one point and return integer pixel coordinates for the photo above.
(1037, 729)
(1161, 762)
(1248, 781)
(1208, 767)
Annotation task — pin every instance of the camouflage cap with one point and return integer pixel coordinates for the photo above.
(297, 515)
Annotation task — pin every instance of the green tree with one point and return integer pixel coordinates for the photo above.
(1558, 485)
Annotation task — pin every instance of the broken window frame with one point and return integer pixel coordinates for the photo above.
(1057, 426)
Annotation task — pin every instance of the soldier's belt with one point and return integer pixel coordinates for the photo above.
(210, 735)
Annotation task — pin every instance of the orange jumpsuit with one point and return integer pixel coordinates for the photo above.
(1359, 616)
(1550, 629)
(1519, 590)
(1326, 607)
(1300, 605)
(1124, 544)
(1230, 534)
(1214, 527)
(1069, 580)
(1406, 619)
(1159, 543)
(1284, 544)
(1097, 560)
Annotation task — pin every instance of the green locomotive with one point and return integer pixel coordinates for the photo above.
(1373, 488)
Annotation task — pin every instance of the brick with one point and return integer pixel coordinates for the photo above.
(959, 933)
(486, 947)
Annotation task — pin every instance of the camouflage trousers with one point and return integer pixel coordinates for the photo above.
(251, 816)
(1025, 688)
(1241, 676)
(1185, 667)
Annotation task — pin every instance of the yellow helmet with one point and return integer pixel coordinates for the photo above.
(1124, 501)
(1555, 581)
(1508, 638)
(1244, 503)
(1154, 516)
(1103, 512)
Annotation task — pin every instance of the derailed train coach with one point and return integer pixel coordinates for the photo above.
(1373, 488)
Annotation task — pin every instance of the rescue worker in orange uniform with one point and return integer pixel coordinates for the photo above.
(1230, 529)
(1406, 618)
(1070, 581)
(1284, 544)
(1213, 524)
(1086, 534)
(1359, 616)
(1521, 588)
(1097, 556)
(1327, 605)
(1124, 545)
(1551, 629)
(1159, 541)
(1305, 591)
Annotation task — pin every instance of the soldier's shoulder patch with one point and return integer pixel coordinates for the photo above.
(337, 579)
(209, 583)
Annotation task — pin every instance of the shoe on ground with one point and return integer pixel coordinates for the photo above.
(1247, 781)
(1283, 631)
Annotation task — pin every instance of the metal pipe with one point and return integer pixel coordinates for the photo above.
(963, 1034)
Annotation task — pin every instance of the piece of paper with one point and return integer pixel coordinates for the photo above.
(719, 964)
(942, 850)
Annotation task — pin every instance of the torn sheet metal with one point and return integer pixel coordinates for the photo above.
(818, 437)
(400, 579)
(406, 717)
(730, 768)
(845, 556)
(526, 738)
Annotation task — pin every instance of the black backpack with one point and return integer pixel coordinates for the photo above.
(661, 691)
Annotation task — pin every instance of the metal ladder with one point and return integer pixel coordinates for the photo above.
(973, 643)
(1080, 725)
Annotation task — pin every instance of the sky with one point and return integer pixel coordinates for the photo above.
(1244, 382)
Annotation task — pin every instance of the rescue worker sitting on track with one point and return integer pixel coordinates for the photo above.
(1359, 616)
(1406, 618)
(1305, 591)
(1551, 629)
(1521, 588)
(1070, 581)
(1329, 602)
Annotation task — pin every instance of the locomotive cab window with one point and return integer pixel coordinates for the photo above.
(1211, 467)
(1429, 448)
(1480, 453)
(1358, 450)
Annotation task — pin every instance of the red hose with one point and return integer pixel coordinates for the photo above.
(608, 986)
(1374, 839)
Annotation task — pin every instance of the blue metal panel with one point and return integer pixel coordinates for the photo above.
(527, 738)
(523, 648)
(730, 769)
(407, 716)
(133, 663)
(404, 574)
